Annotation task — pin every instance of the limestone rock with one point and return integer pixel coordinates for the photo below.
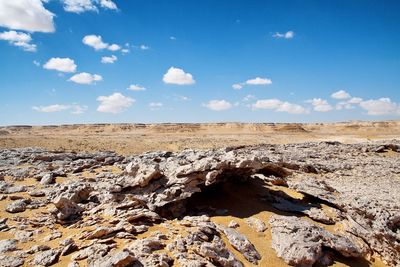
(7, 245)
(47, 179)
(301, 243)
(256, 224)
(11, 261)
(241, 244)
(119, 259)
(46, 258)
(16, 206)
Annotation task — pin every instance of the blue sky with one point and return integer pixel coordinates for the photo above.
(93, 61)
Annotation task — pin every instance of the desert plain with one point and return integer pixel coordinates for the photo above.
(215, 194)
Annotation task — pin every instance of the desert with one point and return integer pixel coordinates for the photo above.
(229, 133)
(226, 194)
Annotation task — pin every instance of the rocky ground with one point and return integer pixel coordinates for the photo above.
(267, 205)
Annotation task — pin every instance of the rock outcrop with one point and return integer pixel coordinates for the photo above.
(110, 201)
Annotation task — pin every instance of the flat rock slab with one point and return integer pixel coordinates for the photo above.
(301, 243)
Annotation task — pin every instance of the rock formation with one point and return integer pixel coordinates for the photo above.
(109, 210)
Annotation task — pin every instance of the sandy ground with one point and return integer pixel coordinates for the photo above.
(137, 138)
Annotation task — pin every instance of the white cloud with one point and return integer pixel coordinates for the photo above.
(237, 86)
(60, 64)
(155, 105)
(172, 38)
(248, 98)
(278, 105)
(108, 4)
(178, 76)
(114, 47)
(381, 106)
(267, 104)
(255, 81)
(36, 63)
(136, 87)
(355, 100)
(27, 15)
(292, 108)
(341, 94)
(259, 81)
(286, 35)
(94, 41)
(114, 103)
(348, 104)
(77, 109)
(19, 39)
(125, 51)
(320, 105)
(144, 47)
(51, 108)
(344, 105)
(85, 78)
(218, 105)
(79, 6)
(109, 60)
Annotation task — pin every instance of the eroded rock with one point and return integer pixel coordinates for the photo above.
(301, 243)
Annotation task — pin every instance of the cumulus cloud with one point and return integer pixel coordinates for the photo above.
(381, 106)
(27, 15)
(341, 94)
(286, 35)
(259, 81)
(19, 39)
(347, 102)
(85, 78)
(74, 108)
(355, 100)
(108, 4)
(178, 76)
(77, 109)
(114, 103)
(218, 105)
(255, 81)
(136, 87)
(109, 60)
(320, 105)
(248, 98)
(114, 47)
(51, 108)
(96, 41)
(79, 6)
(292, 108)
(267, 104)
(278, 105)
(60, 64)
(144, 47)
(237, 86)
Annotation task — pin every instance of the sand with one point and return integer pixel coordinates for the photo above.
(129, 139)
